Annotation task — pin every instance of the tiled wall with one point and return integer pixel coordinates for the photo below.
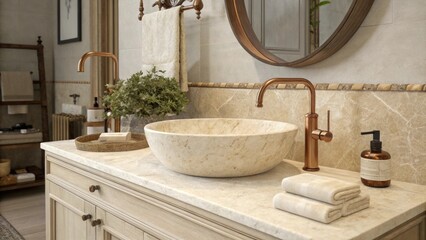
(67, 79)
(389, 48)
(399, 115)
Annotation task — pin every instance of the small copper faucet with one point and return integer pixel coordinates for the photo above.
(80, 68)
(312, 133)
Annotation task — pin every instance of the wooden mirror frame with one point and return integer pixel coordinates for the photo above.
(243, 31)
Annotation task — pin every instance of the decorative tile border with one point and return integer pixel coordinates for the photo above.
(69, 82)
(320, 86)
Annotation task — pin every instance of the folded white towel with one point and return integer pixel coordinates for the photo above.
(306, 207)
(356, 204)
(163, 44)
(321, 188)
(25, 177)
(17, 86)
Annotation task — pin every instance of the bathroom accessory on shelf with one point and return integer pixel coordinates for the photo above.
(4, 167)
(312, 133)
(197, 5)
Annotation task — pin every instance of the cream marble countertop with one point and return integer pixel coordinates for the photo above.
(248, 200)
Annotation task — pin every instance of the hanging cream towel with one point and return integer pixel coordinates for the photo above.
(356, 204)
(306, 207)
(163, 44)
(321, 188)
(17, 86)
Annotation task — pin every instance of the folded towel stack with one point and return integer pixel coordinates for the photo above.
(320, 198)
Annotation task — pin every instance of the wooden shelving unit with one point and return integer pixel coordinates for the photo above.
(42, 102)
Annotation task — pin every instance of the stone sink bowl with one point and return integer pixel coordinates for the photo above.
(220, 147)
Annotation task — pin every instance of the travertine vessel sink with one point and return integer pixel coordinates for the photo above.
(220, 147)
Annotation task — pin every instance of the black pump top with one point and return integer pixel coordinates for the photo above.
(96, 104)
(375, 144)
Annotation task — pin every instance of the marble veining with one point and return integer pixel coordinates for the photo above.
(400, 116)
(220, 147)
(248, 200)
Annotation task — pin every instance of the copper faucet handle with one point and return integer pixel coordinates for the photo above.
(322, 135)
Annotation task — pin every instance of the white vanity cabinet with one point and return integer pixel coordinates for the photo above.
(131, 195)
(70, 216)
(85, 204)
(65, 215)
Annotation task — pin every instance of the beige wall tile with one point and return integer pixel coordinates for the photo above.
(380, 13)
(400, 116)
(64, 90)
(409, 11)
(387, 49)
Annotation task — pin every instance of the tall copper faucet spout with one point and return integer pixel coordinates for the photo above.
(312, 133)
(303, 81)
(80, 67)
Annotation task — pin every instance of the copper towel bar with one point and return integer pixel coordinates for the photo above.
(197, 5)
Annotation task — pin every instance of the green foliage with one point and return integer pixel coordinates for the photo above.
(144, 95)
(314, 7)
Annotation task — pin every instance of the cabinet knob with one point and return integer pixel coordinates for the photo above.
(85, 217)
(96, 222)
(93, 188)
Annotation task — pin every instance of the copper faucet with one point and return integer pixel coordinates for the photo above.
(312, 133)
(80, 68)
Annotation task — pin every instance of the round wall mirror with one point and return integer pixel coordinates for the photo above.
(295, 33)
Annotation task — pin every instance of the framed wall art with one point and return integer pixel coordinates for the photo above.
(69, 21)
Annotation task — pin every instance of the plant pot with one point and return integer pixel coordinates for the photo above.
(131, 123)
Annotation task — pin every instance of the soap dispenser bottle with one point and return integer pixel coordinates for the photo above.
(375, 163)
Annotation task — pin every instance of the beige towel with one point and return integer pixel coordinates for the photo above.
(163, 44)
(306, 207)
(356, 204)
(321, 188)
(17, 86)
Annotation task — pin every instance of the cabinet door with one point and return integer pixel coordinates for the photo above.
(65, 213)
(114, 228)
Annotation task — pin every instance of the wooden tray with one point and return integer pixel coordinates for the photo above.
(90, 143)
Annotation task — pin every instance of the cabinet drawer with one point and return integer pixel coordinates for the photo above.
(153, 215)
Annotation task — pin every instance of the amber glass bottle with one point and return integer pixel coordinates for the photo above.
(375, 163)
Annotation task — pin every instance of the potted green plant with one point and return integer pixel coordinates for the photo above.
(144, 97)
